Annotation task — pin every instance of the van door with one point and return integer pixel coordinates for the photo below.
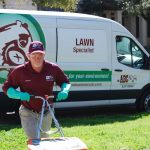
(84, 55)
(129, 72)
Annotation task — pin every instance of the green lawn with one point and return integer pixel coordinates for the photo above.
(99, 132)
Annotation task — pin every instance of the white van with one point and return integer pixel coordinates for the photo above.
(104, 61)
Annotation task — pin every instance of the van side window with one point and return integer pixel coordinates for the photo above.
(128, 52)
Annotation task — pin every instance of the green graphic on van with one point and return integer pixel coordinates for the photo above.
(2, 80)
(89, 76)
(16, 33)
(3, 75)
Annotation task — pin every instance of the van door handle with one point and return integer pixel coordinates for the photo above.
(118, 70)
(105, 69)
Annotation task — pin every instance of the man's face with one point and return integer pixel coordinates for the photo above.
(36, 59)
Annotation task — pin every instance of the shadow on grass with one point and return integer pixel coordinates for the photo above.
(99, 119)
(81, 117)
(9, 121)
(107, 115)
(8, 127)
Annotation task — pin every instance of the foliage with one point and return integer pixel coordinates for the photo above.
(91, 7)
(67, 5)
(96, 7)
(137, 7)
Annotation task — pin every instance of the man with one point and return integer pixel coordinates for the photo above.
(35, 77)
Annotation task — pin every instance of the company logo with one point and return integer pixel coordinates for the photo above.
(84, 45)
(128, 80)
(49, 78)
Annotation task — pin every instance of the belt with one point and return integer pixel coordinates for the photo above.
(45, 111)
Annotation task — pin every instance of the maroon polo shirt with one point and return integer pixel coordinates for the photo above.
(38, 84)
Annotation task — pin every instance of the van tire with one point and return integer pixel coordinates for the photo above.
(143, 104)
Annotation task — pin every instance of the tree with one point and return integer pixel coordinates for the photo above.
(137, 7)
(90, 7)
(67, 5)
(96, 7)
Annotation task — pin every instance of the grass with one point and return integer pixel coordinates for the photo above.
(98, 132)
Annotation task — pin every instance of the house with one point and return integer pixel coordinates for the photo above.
(17, 4)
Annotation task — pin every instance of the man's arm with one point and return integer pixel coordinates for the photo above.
(10, 85)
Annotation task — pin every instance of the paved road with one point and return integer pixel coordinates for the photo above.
(14, 118)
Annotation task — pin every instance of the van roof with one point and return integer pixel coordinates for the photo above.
(53, 14)
(69, 15)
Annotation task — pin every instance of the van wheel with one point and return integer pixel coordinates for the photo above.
(144, 102)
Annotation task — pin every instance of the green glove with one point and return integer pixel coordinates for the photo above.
(13, 93)
(63, 94)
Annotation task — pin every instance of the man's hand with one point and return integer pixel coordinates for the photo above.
(24, 96)
(14, 94)
(63, 94)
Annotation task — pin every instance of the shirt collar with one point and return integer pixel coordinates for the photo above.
(29, 67)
